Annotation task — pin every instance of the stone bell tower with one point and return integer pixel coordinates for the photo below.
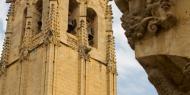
(58, 47)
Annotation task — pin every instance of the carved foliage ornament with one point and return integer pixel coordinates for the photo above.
(51, 37)
(84, 52)
(152, 16)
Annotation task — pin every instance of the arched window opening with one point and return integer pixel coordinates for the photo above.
(38, 15)
(72, 15)
(92, 24)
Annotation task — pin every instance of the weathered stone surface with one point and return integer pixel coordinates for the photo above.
(158, 31)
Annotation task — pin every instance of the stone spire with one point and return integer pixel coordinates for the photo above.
(110, 41)
(52, 29)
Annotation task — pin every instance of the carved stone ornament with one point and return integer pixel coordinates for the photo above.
(51, 33)
(51, 37)
(84, 52)
(2, 68)
(150, 16)
(169, 74)
(112, 68)
(24, 53)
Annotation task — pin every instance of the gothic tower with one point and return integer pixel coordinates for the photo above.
(58, 47)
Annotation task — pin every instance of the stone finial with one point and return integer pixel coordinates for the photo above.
(52, 31)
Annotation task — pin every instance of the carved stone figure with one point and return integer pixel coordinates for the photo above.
(24, 53)
(51, 37)
(84, 52)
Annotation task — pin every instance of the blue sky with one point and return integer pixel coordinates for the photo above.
(132, 79)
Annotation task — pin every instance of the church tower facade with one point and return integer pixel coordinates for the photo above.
(58, 47)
